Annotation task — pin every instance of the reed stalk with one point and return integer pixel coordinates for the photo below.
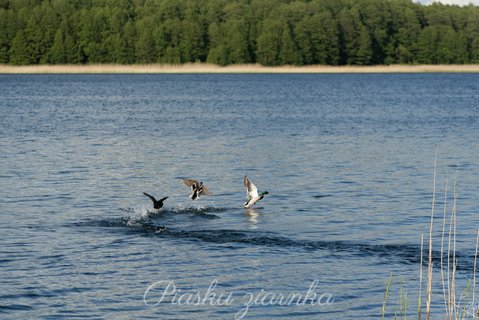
(442, 246)
(429, 265)
(386, 294)
(454, 260)
(420, 279)
(449, 306)
(401, 310)
(474, 280)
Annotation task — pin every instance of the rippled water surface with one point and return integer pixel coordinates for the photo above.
(348, 161)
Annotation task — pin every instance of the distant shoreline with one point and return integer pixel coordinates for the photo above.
(248, 68)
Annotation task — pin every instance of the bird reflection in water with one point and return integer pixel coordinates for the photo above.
(252, 216)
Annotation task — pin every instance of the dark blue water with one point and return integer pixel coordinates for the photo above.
(348, 161)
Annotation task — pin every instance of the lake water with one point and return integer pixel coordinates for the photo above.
(348, 161)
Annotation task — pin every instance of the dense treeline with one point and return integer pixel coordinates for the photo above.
(269, 32)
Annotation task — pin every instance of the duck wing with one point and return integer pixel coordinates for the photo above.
(251, 189)
(205, 191)
(190, 182)
(150, 196)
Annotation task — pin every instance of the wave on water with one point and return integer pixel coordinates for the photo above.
(399, 253)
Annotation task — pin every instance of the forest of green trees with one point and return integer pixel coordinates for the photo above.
(268, 32)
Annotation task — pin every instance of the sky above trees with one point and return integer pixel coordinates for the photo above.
(456, 2)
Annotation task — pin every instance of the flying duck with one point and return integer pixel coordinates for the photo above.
(252, 193)
(157, 204)
(197, 188)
